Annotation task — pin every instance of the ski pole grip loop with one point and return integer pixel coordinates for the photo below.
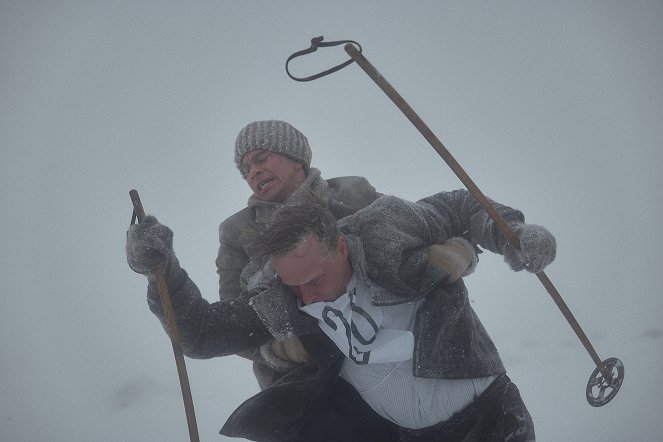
(316, 43)
(139, 212)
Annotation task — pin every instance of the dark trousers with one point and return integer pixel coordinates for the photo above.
(497, 415)
(345, 417)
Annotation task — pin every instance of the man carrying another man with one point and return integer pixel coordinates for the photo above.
(404, 324)
(274, 159)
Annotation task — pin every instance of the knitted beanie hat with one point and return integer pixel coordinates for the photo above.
(276, 136)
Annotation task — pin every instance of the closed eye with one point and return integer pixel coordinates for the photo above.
(262, 158)
(259, 159)
(314, 281)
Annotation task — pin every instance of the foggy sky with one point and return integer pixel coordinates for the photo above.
(551, 107)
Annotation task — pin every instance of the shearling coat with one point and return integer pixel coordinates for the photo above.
(387, 244)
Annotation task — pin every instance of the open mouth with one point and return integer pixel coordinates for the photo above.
(264, 184)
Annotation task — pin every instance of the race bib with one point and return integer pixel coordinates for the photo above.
(355, 326)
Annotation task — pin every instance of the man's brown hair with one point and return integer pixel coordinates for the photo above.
(291, 225)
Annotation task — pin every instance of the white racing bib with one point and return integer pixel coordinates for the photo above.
(354, 324)
(379, 345)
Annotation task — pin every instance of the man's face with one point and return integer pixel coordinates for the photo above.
(272, 176)
(312, 274)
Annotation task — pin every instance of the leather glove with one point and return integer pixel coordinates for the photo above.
(537, 248)
(456, 256)
(283, 355)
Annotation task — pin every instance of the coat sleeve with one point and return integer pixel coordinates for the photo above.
(230, 260)
(209, 329)
(460, 213)
(395, 236)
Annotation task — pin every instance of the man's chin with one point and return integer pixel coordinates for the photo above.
(270, 195)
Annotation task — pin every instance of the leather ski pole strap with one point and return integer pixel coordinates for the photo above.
(164, 295)
(316, 43)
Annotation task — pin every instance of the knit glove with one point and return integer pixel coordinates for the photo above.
(283, 355)
(150, 246)
(537, 248)
(456, 256)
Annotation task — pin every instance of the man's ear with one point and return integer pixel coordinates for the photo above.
(342, 247)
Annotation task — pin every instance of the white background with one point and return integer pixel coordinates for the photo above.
(552, 107)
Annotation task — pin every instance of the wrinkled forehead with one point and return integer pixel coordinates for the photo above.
(302, 263)
(250, 155)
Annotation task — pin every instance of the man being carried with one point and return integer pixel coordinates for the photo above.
(413, 346)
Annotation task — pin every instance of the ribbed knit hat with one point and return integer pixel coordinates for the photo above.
(276, 136)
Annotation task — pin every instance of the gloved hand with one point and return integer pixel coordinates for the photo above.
(537, 248)
(282, 355)
(149, 245)
(456, 256)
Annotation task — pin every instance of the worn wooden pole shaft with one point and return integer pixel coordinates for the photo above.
(172, 331)
(501, 223)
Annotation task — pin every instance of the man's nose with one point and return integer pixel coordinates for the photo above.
(254, 170)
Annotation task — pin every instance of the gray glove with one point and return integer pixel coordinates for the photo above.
(150, 246)
(537, 248)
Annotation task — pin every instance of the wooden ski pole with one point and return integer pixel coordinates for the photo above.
(139, 213)
(607, 383)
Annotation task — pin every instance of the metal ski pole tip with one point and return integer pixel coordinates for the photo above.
(601, 390)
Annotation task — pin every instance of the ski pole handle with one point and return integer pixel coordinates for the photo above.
(164, 295)
(138, 206)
